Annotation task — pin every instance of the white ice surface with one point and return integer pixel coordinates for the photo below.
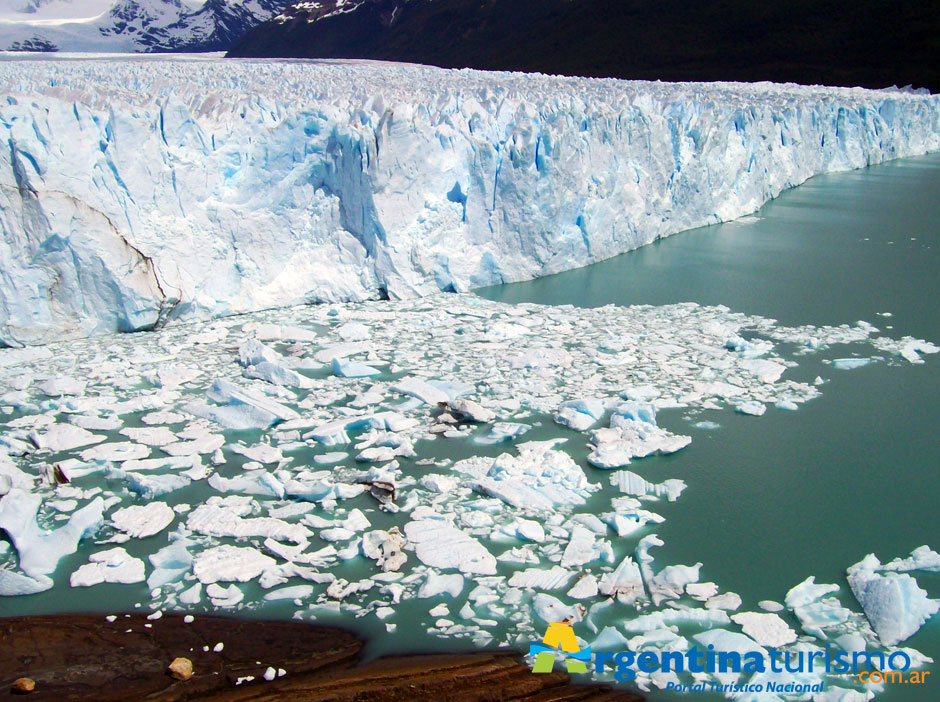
(111, 566)
(444, 546)
(207, 187)
(140, 521)
(894, 603)
(40, 550)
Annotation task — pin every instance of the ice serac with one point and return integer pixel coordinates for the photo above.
(133, 192)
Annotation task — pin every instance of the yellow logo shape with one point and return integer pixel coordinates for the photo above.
(559, 636)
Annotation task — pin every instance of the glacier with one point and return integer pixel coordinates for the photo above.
(136, 191)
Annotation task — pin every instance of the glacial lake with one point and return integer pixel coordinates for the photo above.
(770, 500)
(853, 472)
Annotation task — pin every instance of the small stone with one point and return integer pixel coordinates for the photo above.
(181, 669)
(23, 686)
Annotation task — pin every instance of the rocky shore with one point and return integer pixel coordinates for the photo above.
(125, 658)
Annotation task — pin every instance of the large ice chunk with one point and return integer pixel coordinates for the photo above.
(112, 566)
(231, 564)
(767, 629)
(140, 521)
(13, 583)
(240, 408)
(630, 483)
(625, 582)
(441, 545)
(895, 605)
(170, 563)
(539, 478)
(633, 433)
(218, 519)
(40, 550)
(345, 368)
(921, 558)
(65, 437)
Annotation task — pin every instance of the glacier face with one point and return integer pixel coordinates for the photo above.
(137, 191)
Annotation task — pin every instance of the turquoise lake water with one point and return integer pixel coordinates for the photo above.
(856, 471)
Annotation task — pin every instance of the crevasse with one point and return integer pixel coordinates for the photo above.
(134, 192)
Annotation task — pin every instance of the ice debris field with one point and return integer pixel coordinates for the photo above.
(134, 191)
(291, 458)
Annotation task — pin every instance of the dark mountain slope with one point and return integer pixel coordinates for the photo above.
(873, 43)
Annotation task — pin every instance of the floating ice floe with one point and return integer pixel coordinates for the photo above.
(550, 609)
(231, 564)
(140, 521)
(894, 603)
(921, 558)
(150, 436)
(170, 563)
(295, 592)
(633, 433)
(262, 453)
(908, 348)
(729, 601)
(13, 583)
(282, 332)
(850, 363)
(501, 432)
(345, 368)
(112, 566)
(584, 547)
(751, 407)
(62, 385)
(65, 437)
(253, 352)
(221, 518)
(116, 451)
(580, 415)
(585, 588)
(277, 374)
(442, 545)
(471, 411)
(672, 581)
(538, 478)
(40, 550)
(630, 483)
(625, 582)
(432, 392)
(818, 613)
(12, 477)
(240, 408)
(440, 584)
(767, 629)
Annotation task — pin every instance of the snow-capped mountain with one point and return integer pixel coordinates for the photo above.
(52, 9)
(130, 25)
(830, 42)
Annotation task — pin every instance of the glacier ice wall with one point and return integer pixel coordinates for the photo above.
(137, 191)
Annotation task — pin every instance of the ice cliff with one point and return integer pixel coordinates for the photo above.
(136, 191)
